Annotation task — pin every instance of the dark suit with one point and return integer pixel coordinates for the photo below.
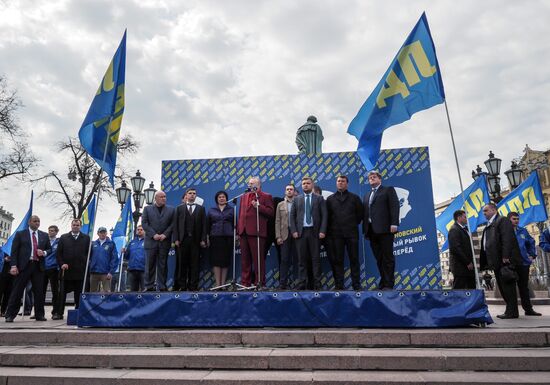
(73, 252)
(251, 232)
(190, 231)
(155, 222)
(379, 216)
(460, 250)
(499, 242)
(345, 213)
(29, 270)
(308, 243)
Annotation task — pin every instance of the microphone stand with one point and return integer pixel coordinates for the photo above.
(233, 284)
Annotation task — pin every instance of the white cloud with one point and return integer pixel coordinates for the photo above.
(216, 78)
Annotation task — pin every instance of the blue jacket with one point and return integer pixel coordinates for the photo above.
(51, 257)
(544, 241)
(135, 255)
(104, 257)
(526, 245)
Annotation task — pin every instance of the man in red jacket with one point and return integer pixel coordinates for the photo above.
(255, 210)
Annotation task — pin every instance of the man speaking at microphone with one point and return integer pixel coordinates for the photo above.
(255, 210)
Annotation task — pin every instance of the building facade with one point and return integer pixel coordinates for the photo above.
(6, 220)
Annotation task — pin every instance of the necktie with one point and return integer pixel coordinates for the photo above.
(190, 209)
(372, 196)
(75, 236)
(34, 247)
(308, 209)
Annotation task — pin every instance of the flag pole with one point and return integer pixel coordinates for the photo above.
(478, 286)
(120, 271)
(98, 179)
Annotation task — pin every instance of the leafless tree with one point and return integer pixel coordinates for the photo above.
(72, 189)
(16, 159)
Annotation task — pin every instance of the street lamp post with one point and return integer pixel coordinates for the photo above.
(150, 193)
(493, 171)
(122, 194)
(137, 182)
(514, 175)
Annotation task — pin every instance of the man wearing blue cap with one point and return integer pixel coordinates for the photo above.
(103, 262)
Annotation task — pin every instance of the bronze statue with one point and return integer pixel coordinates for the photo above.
(309, 137)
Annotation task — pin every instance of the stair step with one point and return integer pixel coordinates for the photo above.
(534, 301)
(49, 376)
(483, 337)
(489, 359)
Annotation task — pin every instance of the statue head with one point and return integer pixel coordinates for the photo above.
(312, 119)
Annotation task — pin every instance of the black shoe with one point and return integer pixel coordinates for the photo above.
(27, 313)
(507, 316)
(148, 289)
(532, 312)
(57, 317)
(357, 288)
(33, 317)
(40, 318)
(9, 319)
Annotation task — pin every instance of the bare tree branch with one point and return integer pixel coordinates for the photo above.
(74, 192)
(16, 158)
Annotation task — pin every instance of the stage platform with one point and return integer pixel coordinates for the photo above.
(368, 309)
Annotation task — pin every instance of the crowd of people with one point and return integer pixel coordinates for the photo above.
(507, 249)
(40, 259)
(298, 224)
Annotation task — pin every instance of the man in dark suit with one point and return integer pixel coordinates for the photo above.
(27, 264)
(72, 255)
(461, 261)
(380, 221)
(158, 222)
(345, 213)
(189, 236)
(499, 247)
(254, 212)
(308, 224)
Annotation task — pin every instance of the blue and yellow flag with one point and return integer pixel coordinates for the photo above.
(412, 83)
(526, 200)
(123, 228)
(101, 128)
(6, 248)
(88, 219)
(477, 196)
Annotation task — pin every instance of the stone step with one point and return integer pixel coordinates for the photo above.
(537, 293)
(51, 376)
(426, 359)
(474, 337)
(534, 301)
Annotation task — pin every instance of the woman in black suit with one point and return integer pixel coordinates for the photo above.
(220, 219)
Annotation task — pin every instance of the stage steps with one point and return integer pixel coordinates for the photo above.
(513, 336)
(50, 376)
(275, 356)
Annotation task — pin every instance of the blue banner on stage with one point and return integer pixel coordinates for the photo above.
(408, 170)
(388, 309)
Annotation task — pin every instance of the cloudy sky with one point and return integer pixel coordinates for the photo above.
(210, 79)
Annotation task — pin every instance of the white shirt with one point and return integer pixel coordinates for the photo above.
(32, 245)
